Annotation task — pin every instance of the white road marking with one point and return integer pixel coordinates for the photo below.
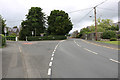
(90, 51)
(49, 71)
(76, 43)
(20, 49)
(50, 64)
(114, 60)
(53, 55)
(54, 50)
(51, 58)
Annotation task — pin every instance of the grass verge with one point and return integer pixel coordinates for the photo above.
(111, 42)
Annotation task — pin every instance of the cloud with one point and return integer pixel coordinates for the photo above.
(14, 11)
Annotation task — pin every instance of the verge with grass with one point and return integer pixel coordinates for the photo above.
(111, 42)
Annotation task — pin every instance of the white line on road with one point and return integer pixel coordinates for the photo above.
(90, 51)
(114, 60)
(50, 64)
(76, 43)
(49, 71)
(51, 58)
(53, 55)
(20, 49)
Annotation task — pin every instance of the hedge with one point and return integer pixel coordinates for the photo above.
(113, 39)
(11, 38)
(2, 40)
(51, 37)
(108, 35)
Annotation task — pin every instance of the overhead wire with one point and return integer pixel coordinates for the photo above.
(91, 10)
(80, 10)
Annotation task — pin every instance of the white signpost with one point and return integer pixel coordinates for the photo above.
(32, 33)
(5, 30)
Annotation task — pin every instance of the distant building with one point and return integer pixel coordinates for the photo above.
(13, 30)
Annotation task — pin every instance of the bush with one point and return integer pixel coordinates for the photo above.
(2, 40)
(11, 38)
(51, 37)
(113, 39)
(118, 36)
(108, 35)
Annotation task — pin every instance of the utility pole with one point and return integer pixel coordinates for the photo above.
(95, 23)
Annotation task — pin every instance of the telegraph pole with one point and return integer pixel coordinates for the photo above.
(95, 23)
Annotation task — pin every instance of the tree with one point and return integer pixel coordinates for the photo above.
(103, 25)
(59, 23)
(83, 31)
(2, 25)
(108, 34)
(35, 21)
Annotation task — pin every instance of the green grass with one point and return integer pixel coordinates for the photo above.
(111, 42)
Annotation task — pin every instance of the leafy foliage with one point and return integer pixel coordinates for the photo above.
(50, 37)
(13, 38)
(108, 35)
(84, 31)
(102, 26)
(113, 39)
(35, 21)
(59, 23)
(2, 40)
(118, 36)
(2, 25)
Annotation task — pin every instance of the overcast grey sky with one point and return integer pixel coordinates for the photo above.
(14, 11)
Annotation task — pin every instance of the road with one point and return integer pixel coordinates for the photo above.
(73, 58)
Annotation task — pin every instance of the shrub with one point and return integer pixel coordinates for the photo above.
(11, 38)
(108, 35)
(118, 36)
(113, 39)
(50, 37)
(2, 40)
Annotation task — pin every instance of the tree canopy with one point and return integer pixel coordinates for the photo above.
(2, 25)
(102, 26)
(35, 21)
(59, 23)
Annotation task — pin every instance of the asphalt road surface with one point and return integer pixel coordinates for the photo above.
(73, 58)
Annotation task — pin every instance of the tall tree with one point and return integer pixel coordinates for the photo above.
(59, 23)
(35, 21)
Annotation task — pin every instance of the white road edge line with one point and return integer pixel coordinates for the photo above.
(90, 51)
(50, 64)
(49, 71)
(114, 60)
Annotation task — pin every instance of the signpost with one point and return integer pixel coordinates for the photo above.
(5, 30)
(32, 33)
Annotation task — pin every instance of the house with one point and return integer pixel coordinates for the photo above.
(13, 30)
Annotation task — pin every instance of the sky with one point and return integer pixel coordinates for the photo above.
(14, 11)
